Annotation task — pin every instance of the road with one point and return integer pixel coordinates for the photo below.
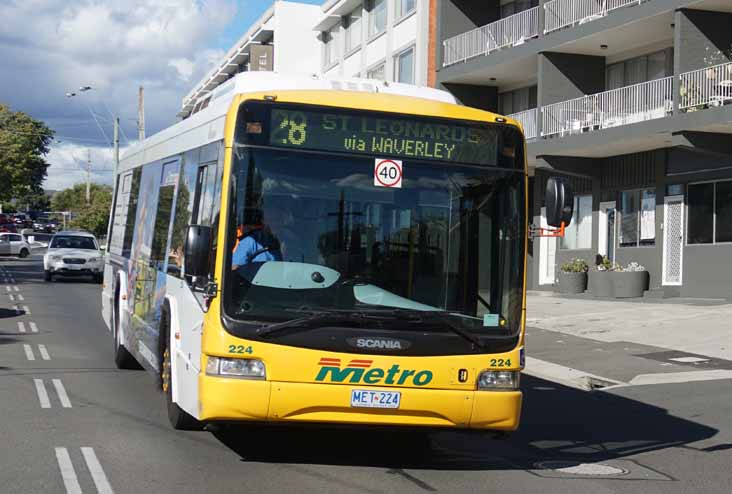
(72, 422)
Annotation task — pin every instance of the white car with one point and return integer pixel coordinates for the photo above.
(13, 244)
(72, 253)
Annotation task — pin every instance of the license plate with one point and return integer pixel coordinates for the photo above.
(73, 267)
(362, 398)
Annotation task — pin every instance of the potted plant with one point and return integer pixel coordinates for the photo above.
(599, 280)
(629, 281)
(573, 276)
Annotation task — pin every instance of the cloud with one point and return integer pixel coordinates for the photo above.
(49, 47)
(68, 164)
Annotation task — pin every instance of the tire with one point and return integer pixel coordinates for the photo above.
(123, 359)
(47, 276)
(24, 253)
(98, 279)
(179, 419)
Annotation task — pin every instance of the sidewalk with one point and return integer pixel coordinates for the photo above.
(702, 327)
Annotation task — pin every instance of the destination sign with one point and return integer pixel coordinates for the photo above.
(382, 135)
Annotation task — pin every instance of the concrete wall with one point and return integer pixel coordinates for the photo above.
(700, 35)
(564, 76)
(297, 48)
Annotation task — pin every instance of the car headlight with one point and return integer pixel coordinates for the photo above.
(499, 380)
(235, 367)
(56, 258)
(94, 260)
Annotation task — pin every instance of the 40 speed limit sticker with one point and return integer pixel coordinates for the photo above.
(388, 173)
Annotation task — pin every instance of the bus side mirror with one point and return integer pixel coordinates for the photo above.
(559, 202)
(197, 250)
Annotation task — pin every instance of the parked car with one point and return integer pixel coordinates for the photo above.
(8, 228)
(44, 225)
(22, 220)
(73, 253)
(12, 244)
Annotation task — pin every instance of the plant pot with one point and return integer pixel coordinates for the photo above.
(600, 283)
(629, 284)
(572, 282)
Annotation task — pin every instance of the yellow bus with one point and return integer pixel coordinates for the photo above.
(325, 251)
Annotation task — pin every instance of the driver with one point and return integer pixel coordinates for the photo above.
(255, 243)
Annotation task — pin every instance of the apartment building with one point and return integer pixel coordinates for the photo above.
(375, 39)
(631, 99)
(281, 40)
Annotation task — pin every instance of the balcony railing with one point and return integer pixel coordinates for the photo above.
(564, 13)
(528, 121)
(711, 86)
(509, 31)
(623, 106)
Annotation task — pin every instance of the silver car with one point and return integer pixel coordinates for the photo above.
(13, 244)
(73, 253)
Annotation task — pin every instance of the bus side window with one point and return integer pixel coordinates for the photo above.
(131, 212)
(184, 211)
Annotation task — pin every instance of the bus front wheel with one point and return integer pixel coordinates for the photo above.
(179, 419)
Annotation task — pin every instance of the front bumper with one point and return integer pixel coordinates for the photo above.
(227, 399)
(69, 270)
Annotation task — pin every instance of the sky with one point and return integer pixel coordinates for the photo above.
(51, 47)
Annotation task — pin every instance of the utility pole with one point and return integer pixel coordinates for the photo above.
(141, 115)
(115, 156)
(88, 177)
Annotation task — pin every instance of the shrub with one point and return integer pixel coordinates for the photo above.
(574, 266)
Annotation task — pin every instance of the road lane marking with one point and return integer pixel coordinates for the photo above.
(689, 360)
(21, 327)
(62, 396)
(97, 473)
(565, 375)
(71, 482)
(33, 327)
(44, 353)
(16, 288)
(42, 394)
(26, 309)
(21, 298)
(680, 377)
(29, 352)
(12, 298)
(7, 287)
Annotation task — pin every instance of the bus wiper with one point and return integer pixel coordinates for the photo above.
(311, 321)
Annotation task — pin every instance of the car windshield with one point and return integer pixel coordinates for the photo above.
(72, 242)
(312, 232)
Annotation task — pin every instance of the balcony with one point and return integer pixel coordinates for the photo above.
(528, 122)
(707, 87)
(509, 31)
(623, 106)
(560, 14)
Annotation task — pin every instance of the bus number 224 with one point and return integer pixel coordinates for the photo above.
(240, 349)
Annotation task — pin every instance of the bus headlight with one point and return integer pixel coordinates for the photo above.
(235, 367)
(499, 380)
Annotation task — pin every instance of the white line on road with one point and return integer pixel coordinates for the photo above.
(26, 309)
(21, 327)
(16, 288)
(100, 480)
(564, 375)
(44, 352)
(34, 328)
(680, 377)
(67, 471)
(12, 298)
(21, 298)
(7, 287)
(29, 352)
(62, 396)
(42, 394)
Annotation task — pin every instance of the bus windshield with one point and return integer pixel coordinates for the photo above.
(310, 232)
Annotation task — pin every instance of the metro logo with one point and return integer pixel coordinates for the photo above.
(359, 371)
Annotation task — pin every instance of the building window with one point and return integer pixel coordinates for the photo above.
(640, 69)
(376, 72)
(404, 67)
(352, 26)
(405, 7)
(578, 235)
(637, 218)
(330, 43)
(511, 8)
(377, 17)
(710, 213)
(517, 101)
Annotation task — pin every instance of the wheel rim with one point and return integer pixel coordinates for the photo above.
(166, 370)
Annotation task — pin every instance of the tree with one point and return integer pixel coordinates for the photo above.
(24, 144)
(93, 217)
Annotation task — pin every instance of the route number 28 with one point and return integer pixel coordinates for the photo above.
(291, 127)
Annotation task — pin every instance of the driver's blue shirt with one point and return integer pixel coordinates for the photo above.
(246, 248)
